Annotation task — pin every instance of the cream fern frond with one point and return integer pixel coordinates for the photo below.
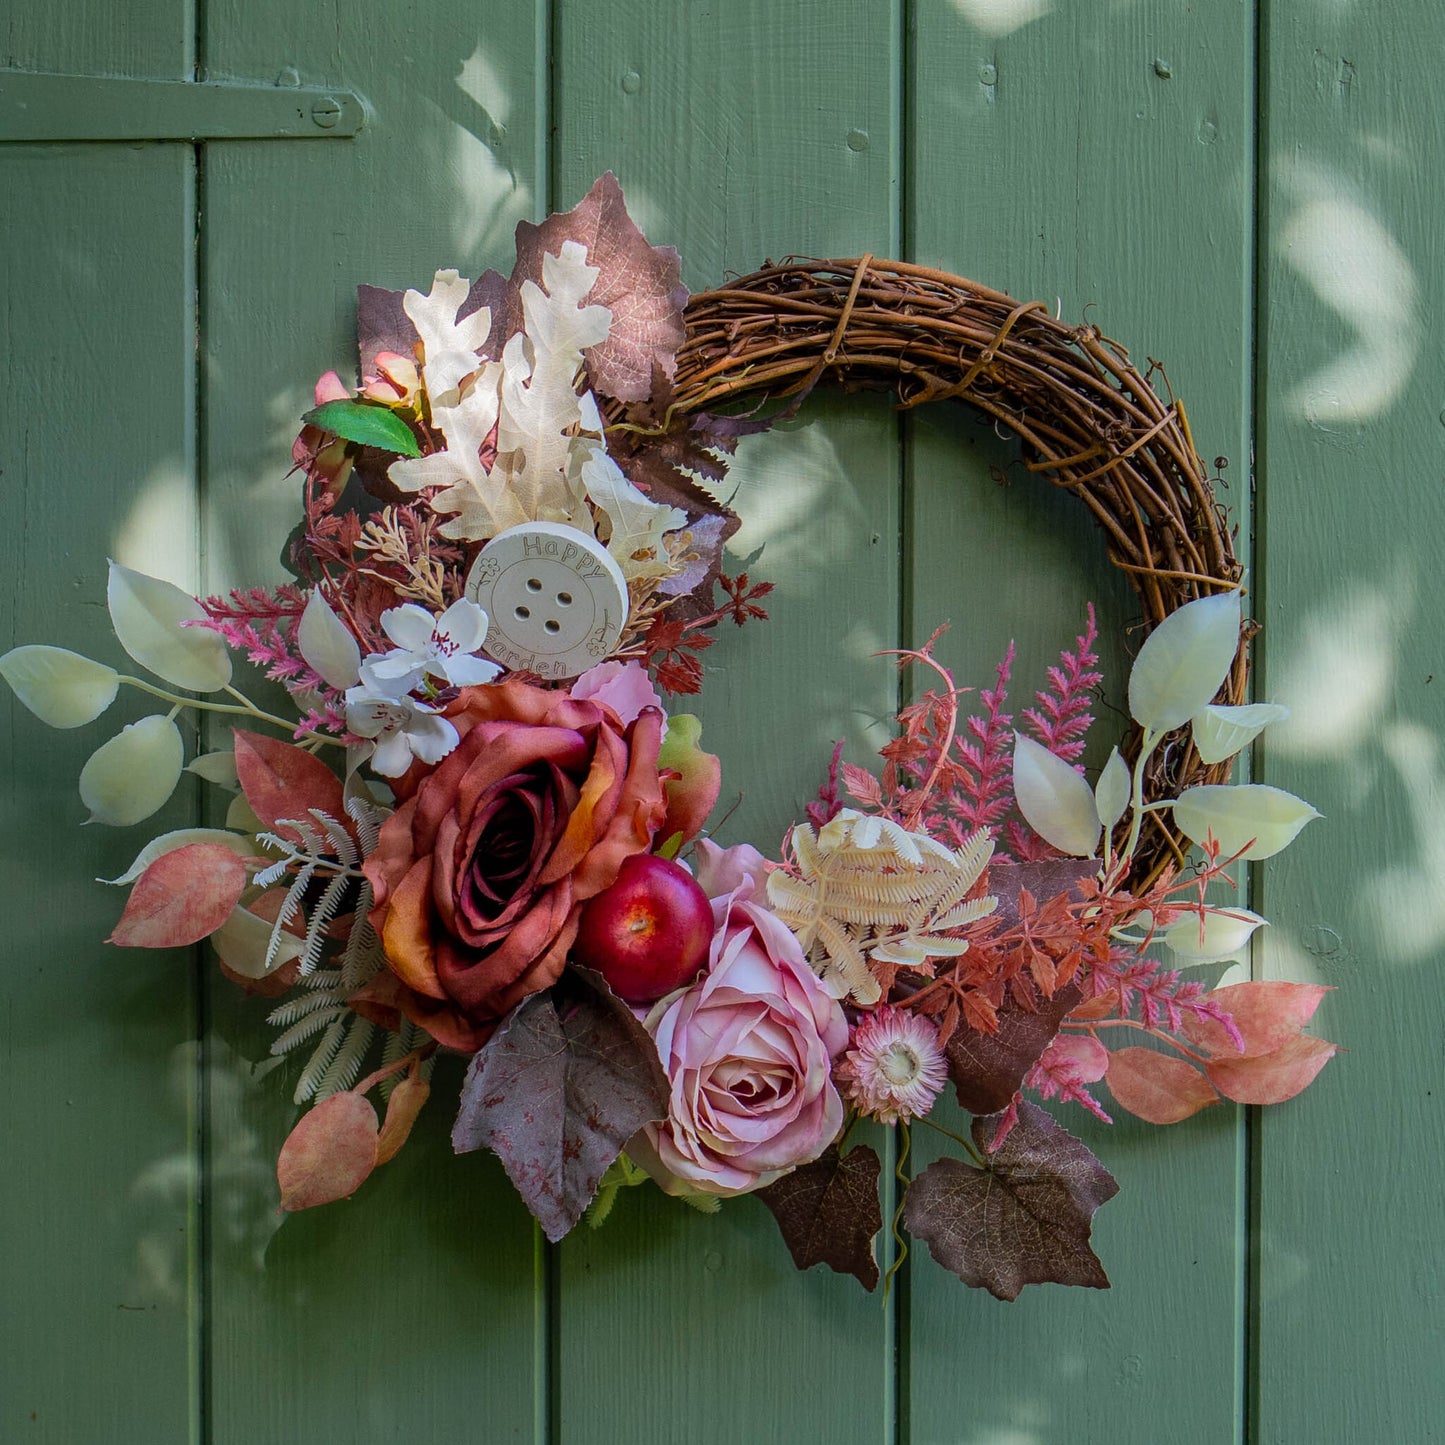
(867, 888)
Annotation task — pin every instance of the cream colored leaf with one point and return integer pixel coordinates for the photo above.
(60, 687)
(148, 614)
(218, 768)
(129, 777)
(181, 838)
(1057, 803)
(1184, 661)
(327, 645)
(243, 940)
(1111, 792)
(1219, 732)
(1267, 819)
(1225, 934)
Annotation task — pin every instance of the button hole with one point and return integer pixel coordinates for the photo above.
(552, 626)
(524, 613)
(534, 584)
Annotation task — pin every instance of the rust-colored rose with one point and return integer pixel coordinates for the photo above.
(480, 874)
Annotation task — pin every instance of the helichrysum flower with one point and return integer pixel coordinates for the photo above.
(893, 1068)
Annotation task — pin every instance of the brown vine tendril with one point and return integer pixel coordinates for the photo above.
(1087, 420)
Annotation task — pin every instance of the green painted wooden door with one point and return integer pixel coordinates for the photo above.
(1249, 193)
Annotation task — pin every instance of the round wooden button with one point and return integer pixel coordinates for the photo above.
(556, 600)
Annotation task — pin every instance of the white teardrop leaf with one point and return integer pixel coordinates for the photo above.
(243, 941)
(1226, 933)
(147, 614)
(60, 687)
(242, 817)
(1111, 792)
(327, 644)
(1057, 802)
(218, 768)
(1220, 732)
(1184, 661)
(1271, 817)
(128, 778)
(181, 838)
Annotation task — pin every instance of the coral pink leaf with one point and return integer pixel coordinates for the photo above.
(1272, 1078)
(1026, 1219)
(828, 1212)
(329, 1152)
(401, 1111)
(281, 780)
(862, 786)
(1268, 1015)
(1083, 1058)
(183, 897)
(1157, 1087)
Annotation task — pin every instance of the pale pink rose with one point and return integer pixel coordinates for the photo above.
(748, 1050)
(625, 687)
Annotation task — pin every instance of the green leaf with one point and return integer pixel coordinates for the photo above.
(368, 425)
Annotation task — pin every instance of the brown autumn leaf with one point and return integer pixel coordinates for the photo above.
(1026, 1219)
(828, 1212)
(183, 897)
(329, 1153)
(567, 1079)
(640, 284)
(988, 1069)
(1157, 1088)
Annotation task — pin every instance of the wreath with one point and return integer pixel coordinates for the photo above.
(482, 826)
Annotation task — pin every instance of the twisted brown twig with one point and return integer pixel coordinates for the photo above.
(1087, 419)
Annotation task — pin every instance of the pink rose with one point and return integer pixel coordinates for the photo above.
(749, 1050)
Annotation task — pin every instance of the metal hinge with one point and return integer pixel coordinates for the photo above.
(36, 107)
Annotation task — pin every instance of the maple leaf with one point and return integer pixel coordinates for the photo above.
(557, 1091)
(640, 284)
(828, 1212)
(1026, 1219)
(988, 1069)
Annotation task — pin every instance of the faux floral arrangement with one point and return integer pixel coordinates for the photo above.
(510, 549)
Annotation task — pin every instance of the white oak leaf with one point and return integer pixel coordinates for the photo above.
(450, 346)
(638, 524)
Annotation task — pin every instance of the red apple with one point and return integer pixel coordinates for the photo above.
(649, 932)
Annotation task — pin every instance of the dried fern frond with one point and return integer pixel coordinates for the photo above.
(866, 890)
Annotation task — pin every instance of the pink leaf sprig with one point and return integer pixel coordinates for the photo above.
(1161, 995)
(1064, 715)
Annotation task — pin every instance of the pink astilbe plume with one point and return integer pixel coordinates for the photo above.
(263, 624)
(1063, 715)
(984, 792)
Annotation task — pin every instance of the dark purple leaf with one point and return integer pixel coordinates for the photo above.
(381, 325)
(564, 1083)
(492, 290)
(988, 1069)
(1026, 1219)
(640, 284)
(828, 1212)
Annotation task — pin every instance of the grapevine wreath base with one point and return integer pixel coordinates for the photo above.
(483, 825)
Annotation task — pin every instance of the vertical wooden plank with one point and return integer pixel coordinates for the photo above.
(412, 1309)
(95, 1044)
(741, 132)
(1350, 1327)
(1098, 158)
